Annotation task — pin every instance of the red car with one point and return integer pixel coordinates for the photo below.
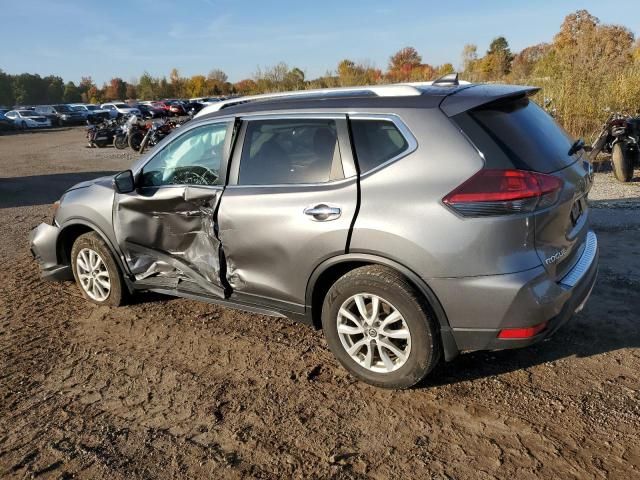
(176, 109)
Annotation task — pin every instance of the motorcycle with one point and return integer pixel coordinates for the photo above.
(131, 134)
(102, 134)
(620, 137)
(156, 132)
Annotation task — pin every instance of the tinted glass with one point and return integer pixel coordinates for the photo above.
(376, 141)
(191, 159)
(62, 108)
(290, 151)
(517, 134)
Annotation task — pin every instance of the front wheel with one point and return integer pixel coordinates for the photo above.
(135, 140)
(622, 162)
(379, 328)
(120, 142)
(96, 271)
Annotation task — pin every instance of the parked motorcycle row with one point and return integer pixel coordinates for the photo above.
(131, 131)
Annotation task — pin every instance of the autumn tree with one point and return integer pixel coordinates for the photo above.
(147, 87)
(116, 89)
(245, 87)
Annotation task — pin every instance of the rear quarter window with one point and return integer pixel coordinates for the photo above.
(517, 134)
(376, 141)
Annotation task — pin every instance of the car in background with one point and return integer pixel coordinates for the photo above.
(177, 109)
(27, 119)
(60, 114)
(5, 123)
(92, 113)
(193, 107)
(117, 109)
(149, 111)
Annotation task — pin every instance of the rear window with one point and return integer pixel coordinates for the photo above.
(517, 134)
(376, 142)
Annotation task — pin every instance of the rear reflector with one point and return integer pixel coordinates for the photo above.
(521, 333)
(503, 192)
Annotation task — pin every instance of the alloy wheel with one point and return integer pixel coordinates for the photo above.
(93, 274)
(374, 333)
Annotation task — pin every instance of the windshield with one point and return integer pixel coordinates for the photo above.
(122, 105)
(28, 113)
(92, 107)
(78, 108)
(62, 108)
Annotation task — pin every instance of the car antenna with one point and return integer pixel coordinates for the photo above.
(448, 79)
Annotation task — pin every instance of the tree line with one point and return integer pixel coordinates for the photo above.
(587, 67)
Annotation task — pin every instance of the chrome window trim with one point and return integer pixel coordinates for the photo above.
(400, 125)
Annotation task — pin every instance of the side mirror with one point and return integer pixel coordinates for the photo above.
(124, 182)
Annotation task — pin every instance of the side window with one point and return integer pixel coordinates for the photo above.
(376, 141)
(294, 151)
(191, 159)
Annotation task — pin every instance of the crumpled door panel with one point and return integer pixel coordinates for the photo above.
(170, 232)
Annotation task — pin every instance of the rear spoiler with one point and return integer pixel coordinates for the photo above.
(477, 95)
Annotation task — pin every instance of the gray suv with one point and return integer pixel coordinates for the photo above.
(409, 222)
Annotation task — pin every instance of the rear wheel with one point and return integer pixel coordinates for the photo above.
(379, 328)
(135, 139)
(96, 271)
(622, 160)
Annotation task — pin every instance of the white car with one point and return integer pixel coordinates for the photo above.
(119, 108)
(27, 119)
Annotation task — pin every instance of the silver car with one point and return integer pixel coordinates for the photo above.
(409, 222)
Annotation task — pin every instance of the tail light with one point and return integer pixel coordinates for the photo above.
(502, 192)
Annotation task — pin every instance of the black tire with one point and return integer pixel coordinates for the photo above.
(135, 139)
(92, 241)
(392, 287)
(120, 142)
(622, 162)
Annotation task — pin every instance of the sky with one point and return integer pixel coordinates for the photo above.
(124, 38)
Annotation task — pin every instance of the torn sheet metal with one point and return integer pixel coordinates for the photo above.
(171, 233)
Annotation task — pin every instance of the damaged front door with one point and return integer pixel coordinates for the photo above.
(167, 226)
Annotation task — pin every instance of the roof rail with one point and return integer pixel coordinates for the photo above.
(393, 90)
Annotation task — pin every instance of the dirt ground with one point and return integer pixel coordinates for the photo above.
(171, 388)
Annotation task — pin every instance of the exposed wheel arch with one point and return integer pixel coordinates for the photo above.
(71, 230)
(330, 270)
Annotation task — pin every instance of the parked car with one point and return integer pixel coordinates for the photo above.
(149, 111)
(410, 223)
(60, 114)
(27, 119)
(176, 109)
(92, 113)
(5, 122)
(193, 107)
(119, 108)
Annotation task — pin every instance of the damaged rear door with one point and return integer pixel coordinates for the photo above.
(166, 228)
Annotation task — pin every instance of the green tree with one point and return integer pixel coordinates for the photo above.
(71, 93)
(7, 97)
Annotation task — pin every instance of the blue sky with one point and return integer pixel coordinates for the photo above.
(124, 38)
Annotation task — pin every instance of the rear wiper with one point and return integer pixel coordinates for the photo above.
(577, 145)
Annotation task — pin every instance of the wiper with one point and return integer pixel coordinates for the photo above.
(577, 145)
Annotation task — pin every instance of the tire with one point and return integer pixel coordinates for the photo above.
(421, 351)
(135, 139)
(83, 263)
(622, 162)
(120, 142)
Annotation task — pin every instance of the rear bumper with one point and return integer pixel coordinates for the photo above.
(43, 242)
(479, 307)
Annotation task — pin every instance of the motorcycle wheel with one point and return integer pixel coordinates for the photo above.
(135, 140)
(120, 142)
(622, 162)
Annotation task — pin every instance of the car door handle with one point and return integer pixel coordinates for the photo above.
(322, 212)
